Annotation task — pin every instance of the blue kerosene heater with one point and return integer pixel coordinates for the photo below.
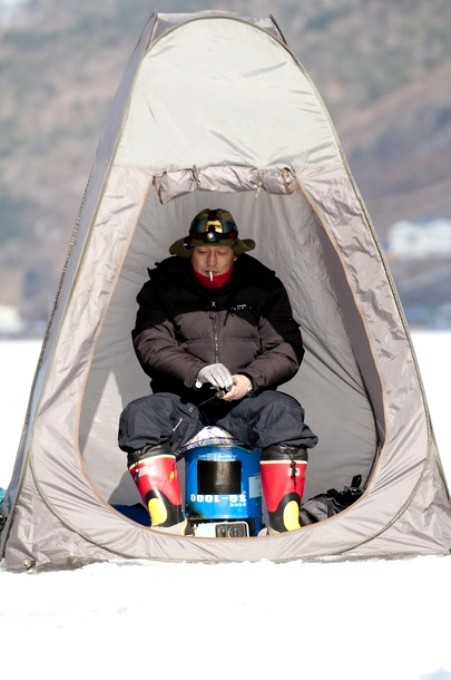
(223, 495)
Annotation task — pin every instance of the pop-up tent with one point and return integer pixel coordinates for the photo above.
(215, 111)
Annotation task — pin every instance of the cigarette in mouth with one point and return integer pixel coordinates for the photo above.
(210, 274)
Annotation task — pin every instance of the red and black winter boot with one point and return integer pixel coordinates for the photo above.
(154, 471)
(283, 471)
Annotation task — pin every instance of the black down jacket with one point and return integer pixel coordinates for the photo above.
(247, 325)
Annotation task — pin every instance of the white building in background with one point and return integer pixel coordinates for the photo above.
(10, 321)
(415, 240)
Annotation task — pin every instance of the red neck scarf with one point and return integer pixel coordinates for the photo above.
(217, 282)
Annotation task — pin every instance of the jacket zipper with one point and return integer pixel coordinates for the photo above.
(212, 313)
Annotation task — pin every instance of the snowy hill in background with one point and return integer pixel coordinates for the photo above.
(383, 73)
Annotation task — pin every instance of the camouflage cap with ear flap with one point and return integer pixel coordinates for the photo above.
(214, 228)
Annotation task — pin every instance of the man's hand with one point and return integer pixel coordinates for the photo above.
(217, 375)
(241, 386)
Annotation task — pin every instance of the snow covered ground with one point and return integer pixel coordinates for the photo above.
(340, 621)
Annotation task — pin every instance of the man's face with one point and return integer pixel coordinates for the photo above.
(214, 259)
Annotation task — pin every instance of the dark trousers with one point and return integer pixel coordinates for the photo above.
(265, 419)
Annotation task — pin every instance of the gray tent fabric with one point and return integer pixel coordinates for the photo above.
(214, 110)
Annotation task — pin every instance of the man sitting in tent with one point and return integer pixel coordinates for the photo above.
(215, 333)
